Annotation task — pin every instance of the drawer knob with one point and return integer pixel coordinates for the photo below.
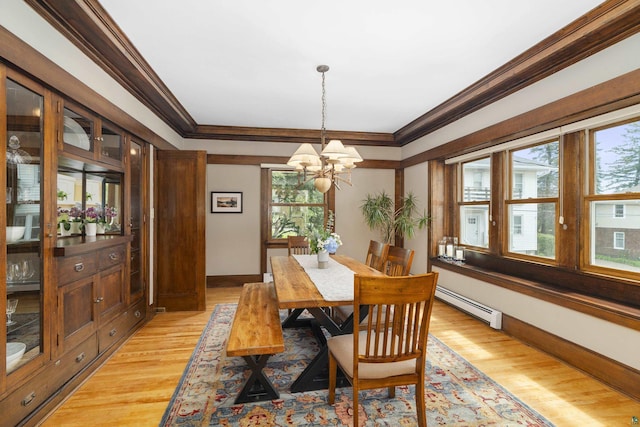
(113, 256)
(99, 300)
(80, 357)
(112, 332)
(79, 267)
(137, 314)
(28, 399)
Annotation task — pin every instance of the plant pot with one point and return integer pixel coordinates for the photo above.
(63, 231)
(90, 228)
(323, 259)
(75, 227)
(101, 228)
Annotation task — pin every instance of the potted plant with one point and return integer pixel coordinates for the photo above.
(75, 214)
(62, 195)
(63, 222)
(91, 216)
(380, 214)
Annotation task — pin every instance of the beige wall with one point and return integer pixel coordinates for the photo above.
(233, 239)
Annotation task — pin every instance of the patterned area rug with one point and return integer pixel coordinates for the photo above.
(457, 393)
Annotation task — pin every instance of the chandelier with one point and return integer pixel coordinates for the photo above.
(335, 162)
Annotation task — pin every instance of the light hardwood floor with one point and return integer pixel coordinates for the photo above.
(133, 388)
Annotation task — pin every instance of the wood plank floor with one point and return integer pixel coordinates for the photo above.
(134, 387)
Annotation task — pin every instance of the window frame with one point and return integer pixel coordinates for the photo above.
(267, 196)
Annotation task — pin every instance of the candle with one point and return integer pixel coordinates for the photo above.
(441, 249)
(459, 254)
(450, 250)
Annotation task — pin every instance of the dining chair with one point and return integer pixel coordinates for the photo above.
(376, 254)
(392, 351)
(298, 245)
(398, 261)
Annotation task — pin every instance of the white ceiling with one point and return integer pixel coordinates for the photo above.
(253, 63)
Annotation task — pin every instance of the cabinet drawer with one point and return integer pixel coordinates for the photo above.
(135, 314)
(24, 400)
(76, 267)
(112, 332)
(109, 257)
(73, 361)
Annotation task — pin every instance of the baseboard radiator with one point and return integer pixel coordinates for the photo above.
(487, 314)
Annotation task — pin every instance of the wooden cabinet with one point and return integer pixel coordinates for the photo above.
(76, 300)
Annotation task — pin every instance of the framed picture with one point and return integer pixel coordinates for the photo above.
(226, 202)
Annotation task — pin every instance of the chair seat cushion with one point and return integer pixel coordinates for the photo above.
(341, 347)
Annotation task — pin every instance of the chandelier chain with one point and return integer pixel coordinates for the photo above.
(324, 111)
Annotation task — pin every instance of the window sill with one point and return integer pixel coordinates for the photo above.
(615, 312)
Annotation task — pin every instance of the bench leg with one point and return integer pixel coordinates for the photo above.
(258, 387)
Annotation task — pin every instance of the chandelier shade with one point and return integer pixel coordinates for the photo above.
(335, 161)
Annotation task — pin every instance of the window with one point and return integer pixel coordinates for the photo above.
(294, 208)
(618, 240)
(517, 224)
(533, 202)
(618, 211)
(474, 204)
(613, 199)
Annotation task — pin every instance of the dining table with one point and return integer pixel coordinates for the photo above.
(302, 287)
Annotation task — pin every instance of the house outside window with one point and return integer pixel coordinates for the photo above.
(533, 201)
(475, 196)
(613, 199)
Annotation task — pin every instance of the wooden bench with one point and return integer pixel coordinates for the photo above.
(256, 334)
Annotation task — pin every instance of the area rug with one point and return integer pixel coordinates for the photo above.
(457, 393)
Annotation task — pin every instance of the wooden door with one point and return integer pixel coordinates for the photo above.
(180, 200)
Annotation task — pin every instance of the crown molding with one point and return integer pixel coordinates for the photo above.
(92, 30)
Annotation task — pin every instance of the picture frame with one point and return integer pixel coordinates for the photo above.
(226, 202)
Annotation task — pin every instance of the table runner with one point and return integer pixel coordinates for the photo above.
(334, 283)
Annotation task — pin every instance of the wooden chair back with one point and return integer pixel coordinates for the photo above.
(376, 254)
(392, 349)
(398, 262)
(298, 245)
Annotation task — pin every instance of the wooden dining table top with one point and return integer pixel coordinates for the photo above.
(295, 289)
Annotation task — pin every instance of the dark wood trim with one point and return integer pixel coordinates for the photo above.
(235, 159)
(19, 55)
(232, 280)
(625, 312)
(620, 92)
(90, 28)
(621, 377)
(296, 136)
(602, 27)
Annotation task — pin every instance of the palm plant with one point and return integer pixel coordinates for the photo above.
(380, 214)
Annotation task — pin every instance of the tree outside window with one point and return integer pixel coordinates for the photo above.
(294, 208)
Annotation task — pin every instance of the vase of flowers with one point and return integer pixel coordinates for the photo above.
(64, 223)
(324, 242)
(75, 214)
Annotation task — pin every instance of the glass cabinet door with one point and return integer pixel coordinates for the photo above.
(23, 285)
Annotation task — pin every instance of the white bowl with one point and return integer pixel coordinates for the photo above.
(14, 233)
(15, 350)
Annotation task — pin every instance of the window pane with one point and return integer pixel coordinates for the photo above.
(474, 225)
(476, 180)
(617, 159)
(535, 171)
(533, 229)
(284, 189)
(615, 241)
(295, 220)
